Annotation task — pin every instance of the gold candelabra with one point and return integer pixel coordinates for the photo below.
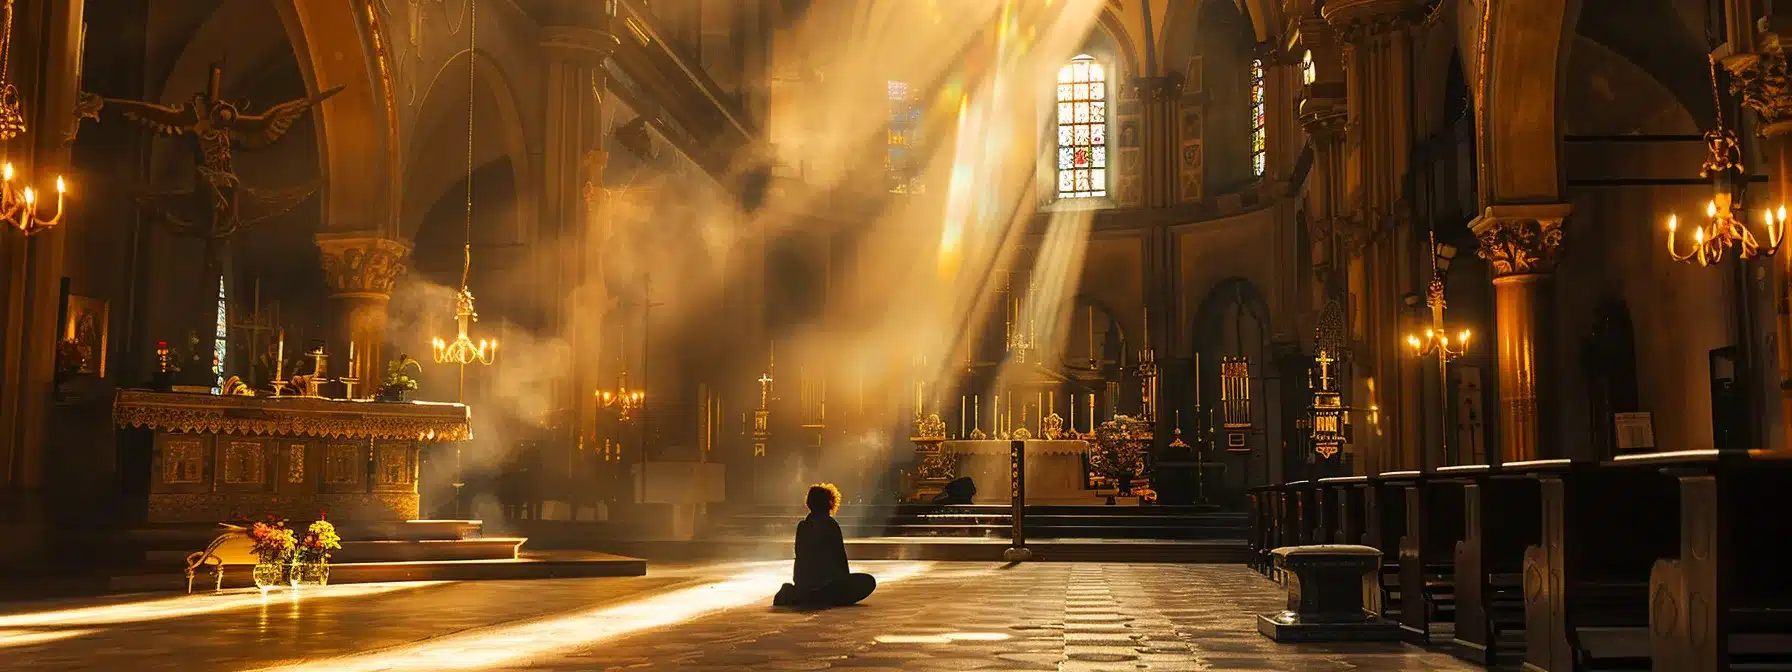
(462, 350)
(1724, 228)
(18, 204)
(1436, 341)
(623, 399)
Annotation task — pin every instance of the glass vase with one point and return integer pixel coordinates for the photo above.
(269, 574)
(311, 573)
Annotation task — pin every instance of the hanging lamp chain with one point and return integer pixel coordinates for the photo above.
(466, 266)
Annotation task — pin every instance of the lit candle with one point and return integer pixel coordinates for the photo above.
(280, 358)
(351, 359)
(963, 405)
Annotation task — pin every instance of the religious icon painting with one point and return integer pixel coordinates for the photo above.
(85, 329)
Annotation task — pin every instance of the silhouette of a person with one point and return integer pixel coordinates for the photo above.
(821, 577)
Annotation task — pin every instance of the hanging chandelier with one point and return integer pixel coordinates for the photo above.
(462, 350)
(1724, 228)
(18, 203)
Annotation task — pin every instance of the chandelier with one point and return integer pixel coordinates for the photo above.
(18, 205)
(624, 400)
(1724, 228)
(462, 350)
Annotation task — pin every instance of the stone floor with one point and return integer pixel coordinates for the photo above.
(925, 616)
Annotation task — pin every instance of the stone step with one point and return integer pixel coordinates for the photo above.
(532, 565)
(490, 548)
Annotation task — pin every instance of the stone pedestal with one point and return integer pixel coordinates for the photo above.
(1326, 590)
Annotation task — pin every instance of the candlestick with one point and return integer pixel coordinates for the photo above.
(963, 405)
(977, 412)
(1091, 335)
(995, 419)
(351, 358)
(1038, 416)
(280, 358)
(1091, 412)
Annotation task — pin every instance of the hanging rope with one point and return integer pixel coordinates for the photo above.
(466, 266)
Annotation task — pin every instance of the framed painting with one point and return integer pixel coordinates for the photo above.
(86, 326)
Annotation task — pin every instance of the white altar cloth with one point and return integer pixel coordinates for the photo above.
(1054, 470)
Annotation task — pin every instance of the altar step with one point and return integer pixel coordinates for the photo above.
(944, 549)
(994, 521)
(528, 565)
(167, 545)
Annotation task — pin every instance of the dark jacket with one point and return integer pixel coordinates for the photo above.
(820, 552)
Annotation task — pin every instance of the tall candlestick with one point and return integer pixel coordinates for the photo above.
(1091, 412)
(280, 358)
(1039, 412)
(995, 417)
(1091, 334)
(351, 359)
(963, 404)
(977, 412)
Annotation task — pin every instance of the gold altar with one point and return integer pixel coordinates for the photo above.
(1054, 471)
(217, 458)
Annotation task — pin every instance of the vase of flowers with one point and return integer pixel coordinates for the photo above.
(311, 560)
(273, 544)
(398, 383)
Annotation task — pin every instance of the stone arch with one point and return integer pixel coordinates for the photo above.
(1233, 302)
(499, 134)
(1522, 121)
(1076, 358)
(358, 128)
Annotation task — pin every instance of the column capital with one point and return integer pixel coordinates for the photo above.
(362, 265)
(1760, 78)
(1359, 19)
(579, 42)
(1521, 239)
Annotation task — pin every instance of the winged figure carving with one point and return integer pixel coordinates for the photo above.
(218, 205)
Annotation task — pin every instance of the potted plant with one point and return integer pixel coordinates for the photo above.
(399, 383)
(311, 560)
(273, 545)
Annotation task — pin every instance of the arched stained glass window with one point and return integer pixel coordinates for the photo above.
(1258, 136)
(221, 338)
(1082, 129)
(900, 158)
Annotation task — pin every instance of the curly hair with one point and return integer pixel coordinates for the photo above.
(823, 497)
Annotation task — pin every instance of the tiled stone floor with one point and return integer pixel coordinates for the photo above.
(925, 616)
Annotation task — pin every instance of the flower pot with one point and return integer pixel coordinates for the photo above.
(311, 574)
(394, 396)
(269, 574)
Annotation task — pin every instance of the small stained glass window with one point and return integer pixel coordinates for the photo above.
(1082, 129)
(1258, 130)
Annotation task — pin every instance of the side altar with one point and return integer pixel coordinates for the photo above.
(232, 457)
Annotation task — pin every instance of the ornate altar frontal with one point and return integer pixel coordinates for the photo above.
(217, 458)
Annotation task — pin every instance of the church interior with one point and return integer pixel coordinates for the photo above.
(523, 290)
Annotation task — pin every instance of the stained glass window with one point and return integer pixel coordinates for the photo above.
(1257, 130)
(904, 133)
(1082, 129)
(221, 338)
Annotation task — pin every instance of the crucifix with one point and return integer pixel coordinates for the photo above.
(765, 389)
(1325, 376)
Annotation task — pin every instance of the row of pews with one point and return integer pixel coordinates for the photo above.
(1665, 561)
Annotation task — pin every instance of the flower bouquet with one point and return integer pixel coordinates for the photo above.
(1119, 455)
(273, 545)
(398, 382)
(311, 561)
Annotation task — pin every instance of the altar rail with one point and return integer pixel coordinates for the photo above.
(1666, 560)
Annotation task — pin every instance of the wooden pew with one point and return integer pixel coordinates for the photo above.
(1586, 584)
(1384, 504)
(1434, 523)
(1348, 506)
(1502, 516)
(1724, 600)
(1325, 509)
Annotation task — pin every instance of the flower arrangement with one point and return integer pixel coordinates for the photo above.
(1120, 447)
(319, 541)
(398, 379)
(272, 540)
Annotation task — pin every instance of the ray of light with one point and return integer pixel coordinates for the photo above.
(513, 644)
(12, 638)
(190, 605)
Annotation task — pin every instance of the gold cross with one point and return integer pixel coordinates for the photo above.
(765, 382)
(1325, 377)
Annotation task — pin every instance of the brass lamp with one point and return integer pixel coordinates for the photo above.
(1723, 227)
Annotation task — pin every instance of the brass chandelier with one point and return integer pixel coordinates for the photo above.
(462, 350)
(1724, 228)
(18, 204)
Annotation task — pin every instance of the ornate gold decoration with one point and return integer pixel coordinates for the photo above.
(342, 463)
(1723, 230)
(930, 428)
(1520, 246)
(295, 463)
(394, 462)
(1022, 435)
(1762, 81)
(363, 266)
(183, 462)
(978, 435)
(1362, 19)
(291, 416)
(1053, 427)
(243, 463)
(18, 207)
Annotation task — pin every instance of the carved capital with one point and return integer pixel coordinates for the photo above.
(363, 265)
(1356, 20)
(1760, 78)
(1520, 240)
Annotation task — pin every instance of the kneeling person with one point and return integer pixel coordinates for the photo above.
(821, 578)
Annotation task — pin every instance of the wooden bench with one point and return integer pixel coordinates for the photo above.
(1723, 600)
(1501, 517)
(1434, 523)
(1586, 582)
(232, 548)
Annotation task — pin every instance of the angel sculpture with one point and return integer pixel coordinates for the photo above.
(218, 205)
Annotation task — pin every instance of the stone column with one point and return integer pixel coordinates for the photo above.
(1753, 76)
(1520, 242)
(576, 38)
(361, 270)
(45, 62)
